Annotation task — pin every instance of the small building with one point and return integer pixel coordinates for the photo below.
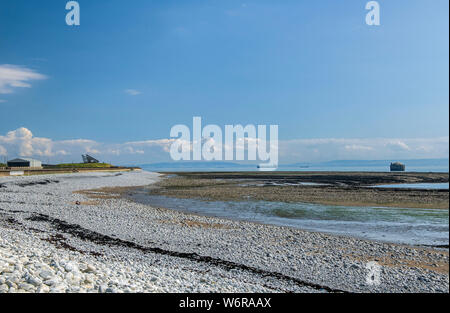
(397, 167)
(25, 162)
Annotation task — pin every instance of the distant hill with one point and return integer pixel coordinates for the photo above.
(369, 163)
(199, 164)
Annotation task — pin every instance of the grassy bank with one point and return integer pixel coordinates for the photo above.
(79, 165)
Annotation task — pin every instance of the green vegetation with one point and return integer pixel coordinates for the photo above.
(80, 165)
(2, 165)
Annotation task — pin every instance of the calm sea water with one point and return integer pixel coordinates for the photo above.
(416, 186)
(399, 225)
(440, 169)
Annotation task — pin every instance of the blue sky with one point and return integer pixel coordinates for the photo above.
(132, 70)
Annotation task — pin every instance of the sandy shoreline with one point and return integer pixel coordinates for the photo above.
(115, 245)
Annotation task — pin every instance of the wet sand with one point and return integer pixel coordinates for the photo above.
(333, 188)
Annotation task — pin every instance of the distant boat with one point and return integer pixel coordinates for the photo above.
(397, 167)
(266, 167)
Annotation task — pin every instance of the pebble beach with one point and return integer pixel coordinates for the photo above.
(54, 238)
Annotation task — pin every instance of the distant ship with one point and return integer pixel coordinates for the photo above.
(266, 167)
(397, 167)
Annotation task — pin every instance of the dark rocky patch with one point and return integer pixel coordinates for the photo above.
(97, 238)
(41, 182)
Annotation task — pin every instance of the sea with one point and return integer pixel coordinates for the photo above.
(440, 167)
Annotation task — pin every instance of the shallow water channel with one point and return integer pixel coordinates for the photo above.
(398, 225)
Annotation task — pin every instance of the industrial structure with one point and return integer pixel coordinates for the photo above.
(25, 162)
(397, 167)
(88, 159)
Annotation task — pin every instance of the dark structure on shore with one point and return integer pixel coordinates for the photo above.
(88, 159)
(24, 162)
(397, 167)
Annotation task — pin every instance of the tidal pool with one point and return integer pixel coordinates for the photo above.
(415, 186)
(399, 225)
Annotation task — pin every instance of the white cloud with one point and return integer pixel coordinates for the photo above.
(161, 143)
(326, 149)
(354, 147)
(397, 145)
(22, 142)
(13, 76)
(131, 150)
(61, 152)
(132, 92)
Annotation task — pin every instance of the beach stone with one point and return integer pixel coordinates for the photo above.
(102, 288)
(71, 267)
(43, 289)
(34, 281)
(90, 268)
(51, 282)
(4, 288)
(26, 287)
(58, 289)
(7, 269)
(11, 284)
(46, 275)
